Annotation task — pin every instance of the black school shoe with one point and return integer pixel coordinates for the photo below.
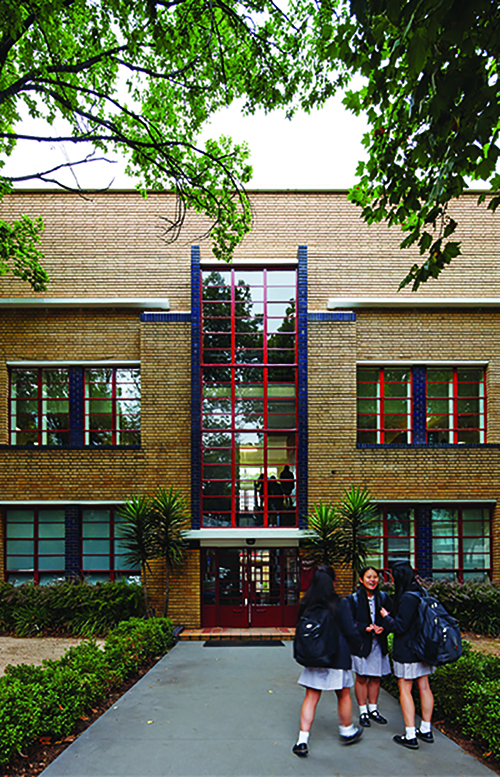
(350, 740)
(427, 737)
(377, 717)
(300, 750)
(411, 744)
(364, 720)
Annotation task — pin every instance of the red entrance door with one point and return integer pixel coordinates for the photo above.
(243, 587)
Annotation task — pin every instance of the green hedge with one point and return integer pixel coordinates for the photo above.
(48, 700)
(476, 606)
(466, 694)
(73, 608)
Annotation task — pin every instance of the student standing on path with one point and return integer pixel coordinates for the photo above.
(339, 678)
(407, 667)
(366, 604)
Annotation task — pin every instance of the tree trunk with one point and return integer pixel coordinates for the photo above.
(145, 589)
(167, 591)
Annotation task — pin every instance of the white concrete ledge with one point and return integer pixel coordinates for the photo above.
(157, 303)
(259, 537)
(335, 303)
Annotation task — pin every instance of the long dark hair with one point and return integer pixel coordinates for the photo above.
(404, 579)
(321, 591)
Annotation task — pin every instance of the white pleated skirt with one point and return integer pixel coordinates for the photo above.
(325, 679)
(374, 665)
(413, 670)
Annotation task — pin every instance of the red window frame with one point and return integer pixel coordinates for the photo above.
(236, 366)
(114, 399)
(381, 430)
(40, 432)
(454, 430)
(37, 572)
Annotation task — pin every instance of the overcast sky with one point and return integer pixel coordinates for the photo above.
(320, 150)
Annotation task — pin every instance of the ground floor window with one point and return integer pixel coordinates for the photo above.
(461, 543)
(246, 587)
(44, 545)
(440, 541)
(103, 556)
(393, 537)
(35, 545)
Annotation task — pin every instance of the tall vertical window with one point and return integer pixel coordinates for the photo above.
(112, 406)
(456, 405)
(35, 545)
(39, 407)
(249, 397)
(384, 405)
(103, 556)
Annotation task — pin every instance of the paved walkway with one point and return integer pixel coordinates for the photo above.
(234, 710)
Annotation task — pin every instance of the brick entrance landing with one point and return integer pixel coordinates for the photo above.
(219, 632)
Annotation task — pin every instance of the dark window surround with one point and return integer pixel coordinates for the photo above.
(418, 428)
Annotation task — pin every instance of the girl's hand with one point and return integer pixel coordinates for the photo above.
(384, 612)
(377, 629)
(370, 627)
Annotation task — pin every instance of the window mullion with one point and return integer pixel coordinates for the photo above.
(381, 412)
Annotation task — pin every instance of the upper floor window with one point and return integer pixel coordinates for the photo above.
(112, 406)
(455, 404)
(384, 405)
(75, 406)
(424, 405)
(39, 406)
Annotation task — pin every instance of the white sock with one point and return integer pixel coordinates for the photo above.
(372, 707)
(303, 737)
(425, 726)
(347, 731)
(363, 710)
(410, 732)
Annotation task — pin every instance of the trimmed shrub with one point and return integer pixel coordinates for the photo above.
(476, 606)
(48, 700)
(72, 608)
(466, 694)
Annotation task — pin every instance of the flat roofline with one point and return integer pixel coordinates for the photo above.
(160, 303)
(336, 303)
(249, 190)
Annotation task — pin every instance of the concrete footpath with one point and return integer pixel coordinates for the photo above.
(234, 711)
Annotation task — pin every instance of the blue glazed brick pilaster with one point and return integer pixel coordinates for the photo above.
(76, 407)
(72, 543)
(424, 541)
(302, 456)
(419, 412)
(195, 389)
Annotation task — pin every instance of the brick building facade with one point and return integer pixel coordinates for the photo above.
(303, 354)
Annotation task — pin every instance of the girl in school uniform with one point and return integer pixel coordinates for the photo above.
(338, 678)
(366, 604)
(407, 667)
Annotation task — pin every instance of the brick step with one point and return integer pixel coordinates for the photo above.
(243, 635)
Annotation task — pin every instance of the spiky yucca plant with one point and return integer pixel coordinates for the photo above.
(321, 540)
(359, 516)
(136, 535)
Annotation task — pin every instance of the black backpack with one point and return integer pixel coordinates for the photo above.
(438, 640)
(316, 640)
